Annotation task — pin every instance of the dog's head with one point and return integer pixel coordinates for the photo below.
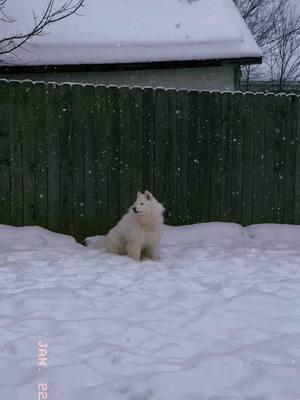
(146, 204)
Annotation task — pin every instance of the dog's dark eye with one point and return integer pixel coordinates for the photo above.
(142, 204)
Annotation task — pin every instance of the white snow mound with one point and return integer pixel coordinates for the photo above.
(274, 233)
(173, 235)
(34, 236)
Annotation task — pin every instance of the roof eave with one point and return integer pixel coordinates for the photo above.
(129, 66)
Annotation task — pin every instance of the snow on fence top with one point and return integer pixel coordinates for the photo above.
(124, 31)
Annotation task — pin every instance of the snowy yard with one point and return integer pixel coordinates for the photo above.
(217, 318)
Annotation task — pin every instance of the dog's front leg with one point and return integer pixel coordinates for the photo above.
(134, 251)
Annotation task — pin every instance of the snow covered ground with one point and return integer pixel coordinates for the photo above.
(217, 318)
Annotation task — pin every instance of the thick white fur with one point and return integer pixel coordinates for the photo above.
(138, 233)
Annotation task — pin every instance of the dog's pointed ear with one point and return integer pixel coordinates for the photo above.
(138, 194)
(149, 196)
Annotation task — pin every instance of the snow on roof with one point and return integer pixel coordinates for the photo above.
(125, 31)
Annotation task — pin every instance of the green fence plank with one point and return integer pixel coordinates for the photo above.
(102, 160)
(290, 171)
(41, 155)
(269, 144)
(258, 160)
(215, 156)
(148, 139)
(236, 157)
(161, 134)
(226, 150)
(29, 165)
(297, 168)
(65, 158)
(204, 140)
(193, 157)
(89, 138)
(126, 197)
(279, 160)
(181, 158)
(52, 128)
(16, 154)
(78, 152)
(247, 165)
(136, 141)
(170, 159)
(4, 153)
(114, 155)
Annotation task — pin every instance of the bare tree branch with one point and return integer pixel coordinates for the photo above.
(275, 25)
(3, 16)
(49, 16)
(284, 55)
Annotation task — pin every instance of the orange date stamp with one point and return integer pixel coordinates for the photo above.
(42, 389)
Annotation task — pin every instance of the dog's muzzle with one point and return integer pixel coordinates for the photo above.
(135, 210)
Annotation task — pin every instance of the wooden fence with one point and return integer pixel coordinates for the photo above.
(72, 157)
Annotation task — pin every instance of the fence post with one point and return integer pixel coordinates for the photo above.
(297, 169)
(4, 154)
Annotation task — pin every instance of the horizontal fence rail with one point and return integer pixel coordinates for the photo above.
(72, 157)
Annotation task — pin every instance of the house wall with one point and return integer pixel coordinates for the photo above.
(222, 78)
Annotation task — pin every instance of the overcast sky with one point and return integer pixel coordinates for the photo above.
(297, 3)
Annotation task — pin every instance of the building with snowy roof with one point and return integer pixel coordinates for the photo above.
(182, 44)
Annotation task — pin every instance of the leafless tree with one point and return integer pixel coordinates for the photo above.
(51, 14)
(275, 25)
(283, 58)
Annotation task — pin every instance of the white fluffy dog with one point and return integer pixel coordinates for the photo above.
(138, 233)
